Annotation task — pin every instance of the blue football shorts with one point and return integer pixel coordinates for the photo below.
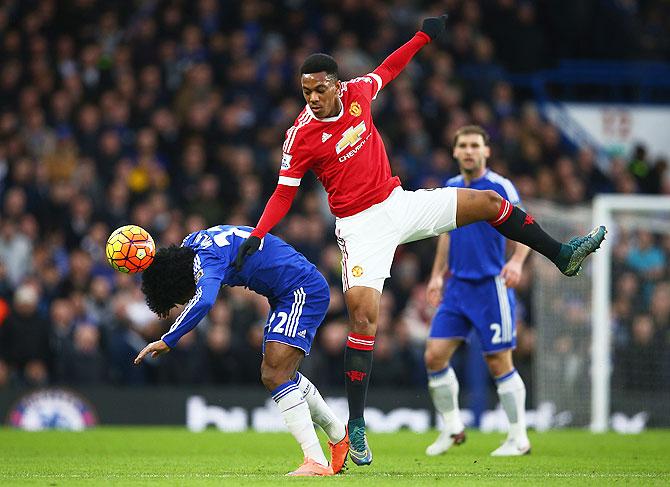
(294, 317)
(486, 304)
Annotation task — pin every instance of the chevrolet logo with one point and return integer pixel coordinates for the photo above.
(350, 137)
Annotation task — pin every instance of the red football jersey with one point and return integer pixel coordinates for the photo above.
(345, 152)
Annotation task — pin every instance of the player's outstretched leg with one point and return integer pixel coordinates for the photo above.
(512, 394)
(338, 439)
(443, 387)
(516, 224)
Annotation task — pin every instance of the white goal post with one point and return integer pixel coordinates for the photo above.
(601, 352)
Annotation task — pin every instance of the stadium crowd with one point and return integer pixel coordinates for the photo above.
(171, 115)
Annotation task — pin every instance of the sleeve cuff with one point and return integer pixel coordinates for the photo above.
(379, 82)
(287, 181)
(424, 36)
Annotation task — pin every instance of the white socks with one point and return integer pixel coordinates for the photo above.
(295, 411)
(443, 387)
(320, 411)
(512, 394)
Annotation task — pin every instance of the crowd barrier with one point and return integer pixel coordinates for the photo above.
(244, 408)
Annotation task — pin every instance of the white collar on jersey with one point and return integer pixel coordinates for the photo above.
(329, 119)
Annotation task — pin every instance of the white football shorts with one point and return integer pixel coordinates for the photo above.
(368, 240)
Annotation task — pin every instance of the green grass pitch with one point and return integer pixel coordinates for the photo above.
(174, 456)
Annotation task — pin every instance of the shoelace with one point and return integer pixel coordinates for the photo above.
(357, 439)
(577, 242)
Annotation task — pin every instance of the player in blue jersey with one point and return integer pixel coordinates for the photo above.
(192, 274)
(478, 295)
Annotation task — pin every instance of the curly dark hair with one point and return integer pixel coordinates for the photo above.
(315, 63)
(169, 279)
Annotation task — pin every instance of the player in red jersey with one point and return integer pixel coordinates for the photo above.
(335, 137)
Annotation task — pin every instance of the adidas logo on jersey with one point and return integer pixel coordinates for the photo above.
(325, 137)
(302, 333)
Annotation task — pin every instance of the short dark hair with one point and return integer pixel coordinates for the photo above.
(471, 129)
(169, 279)
(315, 63)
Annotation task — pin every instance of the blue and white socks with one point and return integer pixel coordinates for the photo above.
(320, 411)
(295, 411)
(443, 387)
(512, 394)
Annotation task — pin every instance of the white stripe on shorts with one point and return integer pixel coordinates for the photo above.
(505, 311)
(345, 272)
(292, 326)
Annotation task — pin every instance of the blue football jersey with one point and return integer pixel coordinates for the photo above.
(274, 271)
(477, 250)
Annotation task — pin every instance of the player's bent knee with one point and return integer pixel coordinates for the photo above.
(273, 377)
(500, 363)
(486, 206)
(362, 324)
(494, 200)
(364, 328)
(434, 361)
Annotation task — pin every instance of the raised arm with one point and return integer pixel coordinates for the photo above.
(276, 208)
(392, 66)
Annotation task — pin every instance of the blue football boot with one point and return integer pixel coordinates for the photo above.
(579, 248)
(359, 451)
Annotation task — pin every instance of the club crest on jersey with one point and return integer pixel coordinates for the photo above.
(355, 109)
(325, 137)
(286, 161)
(198, 272)
(350, 137)
(357, 271)
(198, 275)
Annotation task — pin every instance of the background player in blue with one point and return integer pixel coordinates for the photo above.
(299, 296)
(478, 295)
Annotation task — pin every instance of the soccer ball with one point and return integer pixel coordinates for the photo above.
(130, 249)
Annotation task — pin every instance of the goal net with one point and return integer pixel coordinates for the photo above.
(602, 351)
(561, 309)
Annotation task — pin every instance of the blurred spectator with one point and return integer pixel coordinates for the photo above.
(223, 363)
(24, 338)
(639, 362)
(251, 355)
(173, 116)
(647, 259)
(594, 179)
(331, 338)
(660, 306)
(185, 362)
(83, 358)
(15, 252)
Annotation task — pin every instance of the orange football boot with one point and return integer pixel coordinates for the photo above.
(338, 452)
(310, 468)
